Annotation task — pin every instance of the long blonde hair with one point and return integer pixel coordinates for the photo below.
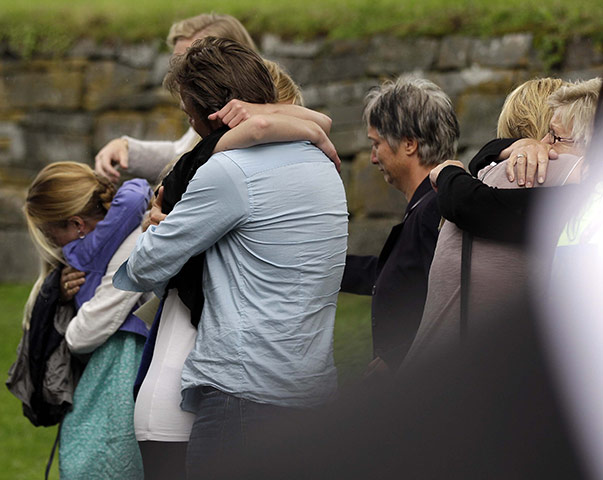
(60, 191)
(526, 113)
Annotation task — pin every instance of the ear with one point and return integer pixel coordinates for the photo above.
(78, 222)
(410, 146)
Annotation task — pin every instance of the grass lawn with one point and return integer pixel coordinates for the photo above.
(24, 449)
(53, 24)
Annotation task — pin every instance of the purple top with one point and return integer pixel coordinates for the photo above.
(92, 253)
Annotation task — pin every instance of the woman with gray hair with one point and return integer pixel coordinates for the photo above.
(412, 126)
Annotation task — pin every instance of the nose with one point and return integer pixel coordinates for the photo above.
(374, 156)
(547, 138)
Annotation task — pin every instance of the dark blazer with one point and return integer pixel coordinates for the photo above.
(397, 279)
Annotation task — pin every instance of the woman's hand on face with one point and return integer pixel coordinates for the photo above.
(528, 158)
(71, 281)
(156, 216)
(435, 173)
(236, 112)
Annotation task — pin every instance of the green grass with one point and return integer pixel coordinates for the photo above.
(53, 24)
(24, 449)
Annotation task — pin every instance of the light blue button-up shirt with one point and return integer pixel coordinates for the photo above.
(272, 220)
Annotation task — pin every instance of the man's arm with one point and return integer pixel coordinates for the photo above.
(214, 203)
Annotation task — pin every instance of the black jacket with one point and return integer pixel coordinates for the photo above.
(397, 279)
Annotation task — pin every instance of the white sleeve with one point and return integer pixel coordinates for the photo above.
(147, 158)
(102, 315)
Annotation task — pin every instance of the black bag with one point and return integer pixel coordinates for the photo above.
(45, 374)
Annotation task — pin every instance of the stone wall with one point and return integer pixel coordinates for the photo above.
(67, 107)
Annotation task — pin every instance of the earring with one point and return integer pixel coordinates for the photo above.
(81, 235)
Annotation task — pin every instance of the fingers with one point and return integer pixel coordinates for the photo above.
(329, 150)
(528, 161)
(114, 153)
(233, 113)
(435, 172)
(156, 216)
(159, 198)
(104, 167)
(71, 281)
(510, 169)
(433, 177)
(520, 162)
(542, 165)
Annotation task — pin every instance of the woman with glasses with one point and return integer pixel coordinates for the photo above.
(503, 214)
(470, 278)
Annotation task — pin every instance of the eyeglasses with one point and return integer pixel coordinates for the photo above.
(559, 139)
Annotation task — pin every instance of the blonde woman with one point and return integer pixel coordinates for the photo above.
(77, 219)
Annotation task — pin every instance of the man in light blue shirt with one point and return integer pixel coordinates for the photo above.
(272, 221)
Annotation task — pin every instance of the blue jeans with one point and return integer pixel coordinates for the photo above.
(223, 427)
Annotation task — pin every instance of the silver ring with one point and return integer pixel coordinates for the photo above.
(66, 285)
(519, 155)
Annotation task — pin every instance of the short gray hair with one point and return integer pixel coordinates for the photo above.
(576, 104)
(415, 109)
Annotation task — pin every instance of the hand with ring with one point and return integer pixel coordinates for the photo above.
(71, 281)
(528, 159)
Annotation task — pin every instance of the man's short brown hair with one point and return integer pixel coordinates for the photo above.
(216, 70)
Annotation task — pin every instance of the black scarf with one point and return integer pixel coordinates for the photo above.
(188, 280)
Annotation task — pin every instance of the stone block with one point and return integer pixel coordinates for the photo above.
(108, 84)
(273, 45)
(87, 48)
(165, 124)
(393, 56)
(112, 125)
(475, 79)
(509, 51)
(581, 54)
(160, 68)
(369, 195)
(336, 94)
(18, 257)
(148, 99)
(478, 116)
(43, 148)
(51, 122)
(53, 137)
(140, 55)
(61, 90)
(366, 236)
(585, 74)
(454, 52)
(325, 69)
(344, 116)
(11, 202)
(349, 140)
(12, 143)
